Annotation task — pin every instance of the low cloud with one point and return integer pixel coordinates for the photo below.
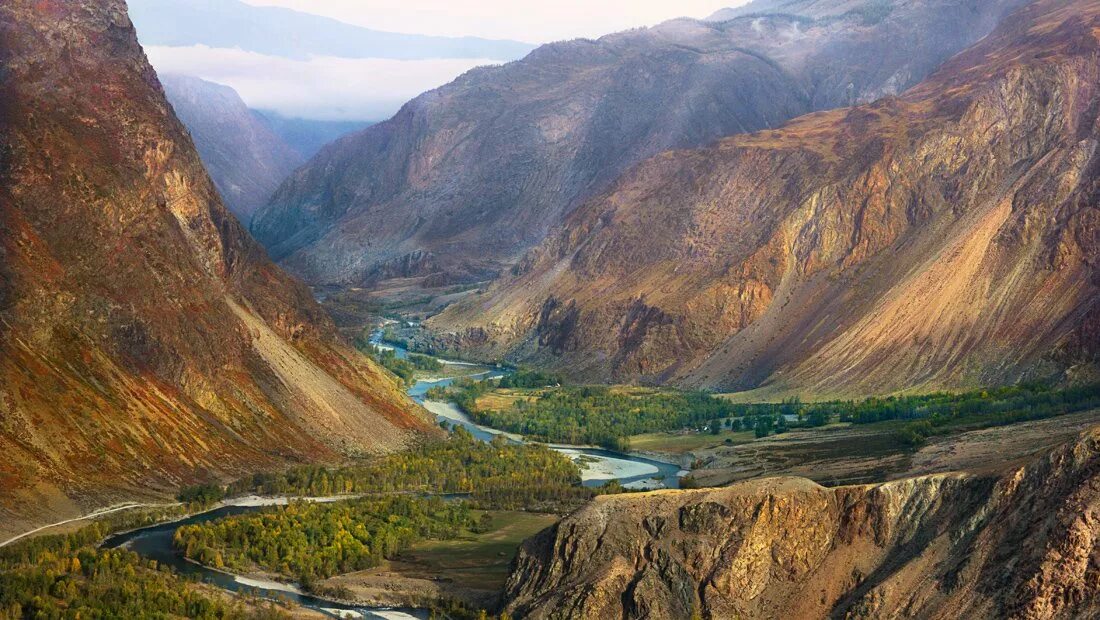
(326, 88)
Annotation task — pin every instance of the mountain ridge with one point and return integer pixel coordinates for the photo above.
(853, 252)
(246, 159)
(146, 341)
(467, 177)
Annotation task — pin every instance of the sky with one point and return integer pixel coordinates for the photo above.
(531, 21)
(322, 87)
(373, 89)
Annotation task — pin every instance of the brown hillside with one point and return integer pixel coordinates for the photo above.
(1020, 545)
(465, 178)
(943, 238)
(145, 340)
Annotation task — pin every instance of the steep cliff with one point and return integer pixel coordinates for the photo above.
(944, 238)
(145, 338)
(246, 159)
(1021, 545)
(468, 176)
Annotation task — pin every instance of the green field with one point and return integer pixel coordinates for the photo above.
(677, 443)
(478, 561)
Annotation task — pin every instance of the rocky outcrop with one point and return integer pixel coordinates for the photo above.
(1024, 544)
(146, 341)
(943, 238)
(244, 156)
(479, 170)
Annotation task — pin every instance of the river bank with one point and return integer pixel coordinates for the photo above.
(387, 594)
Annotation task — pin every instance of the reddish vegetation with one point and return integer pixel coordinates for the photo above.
(145, 340)
(943, 238)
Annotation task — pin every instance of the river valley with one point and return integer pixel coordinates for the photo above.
(598, 466)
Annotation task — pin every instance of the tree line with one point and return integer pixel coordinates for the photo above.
(608, 417)
(591, 414)
(308, 541)
(496, 474)
(67, 576)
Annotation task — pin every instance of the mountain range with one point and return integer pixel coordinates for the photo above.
(467, 177)
(146, 341)
(943, 238)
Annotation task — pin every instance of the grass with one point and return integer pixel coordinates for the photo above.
(676, 443)
(449, 370)
(479, 561)
(501, 399)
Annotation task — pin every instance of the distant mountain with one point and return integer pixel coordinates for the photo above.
(813, 9)
(307, 136)
(246, 159)
(467, 177)
(276, 31)
(945, 238)
(146, 341)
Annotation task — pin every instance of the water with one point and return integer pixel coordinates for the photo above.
(155, 543)
(598, 466)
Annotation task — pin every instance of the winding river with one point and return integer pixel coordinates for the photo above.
(598, 466)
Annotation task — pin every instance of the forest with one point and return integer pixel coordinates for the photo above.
(495, 474)
(66, 576)
(608, 416)
(940, 414)
(590, 414)
(307, 541)
(406, 368)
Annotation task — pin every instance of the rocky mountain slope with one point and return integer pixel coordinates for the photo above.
(944, 238)
(1020, 545)
(307, 135)
(466, 177)
(245, 158)
(145, 339)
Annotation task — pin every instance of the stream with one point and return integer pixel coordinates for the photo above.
(598, 466)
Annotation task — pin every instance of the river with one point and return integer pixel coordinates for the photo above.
(598, 466)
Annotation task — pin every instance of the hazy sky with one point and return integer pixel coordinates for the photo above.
(322, 87)
(328, 87)
(533, 21)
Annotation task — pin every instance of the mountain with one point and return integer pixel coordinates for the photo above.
(246, 159)
(1019, 545)
(466, 177)
(869, 11)
(286, 33)
(306, 135)
(146, 341)
(944, 238)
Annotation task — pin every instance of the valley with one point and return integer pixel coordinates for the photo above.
(471, 566)
(791, 311)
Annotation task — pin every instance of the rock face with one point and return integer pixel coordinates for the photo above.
(1022, 545)
(944, 238)
(474, 173)
(245, 158)
(145, 338)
